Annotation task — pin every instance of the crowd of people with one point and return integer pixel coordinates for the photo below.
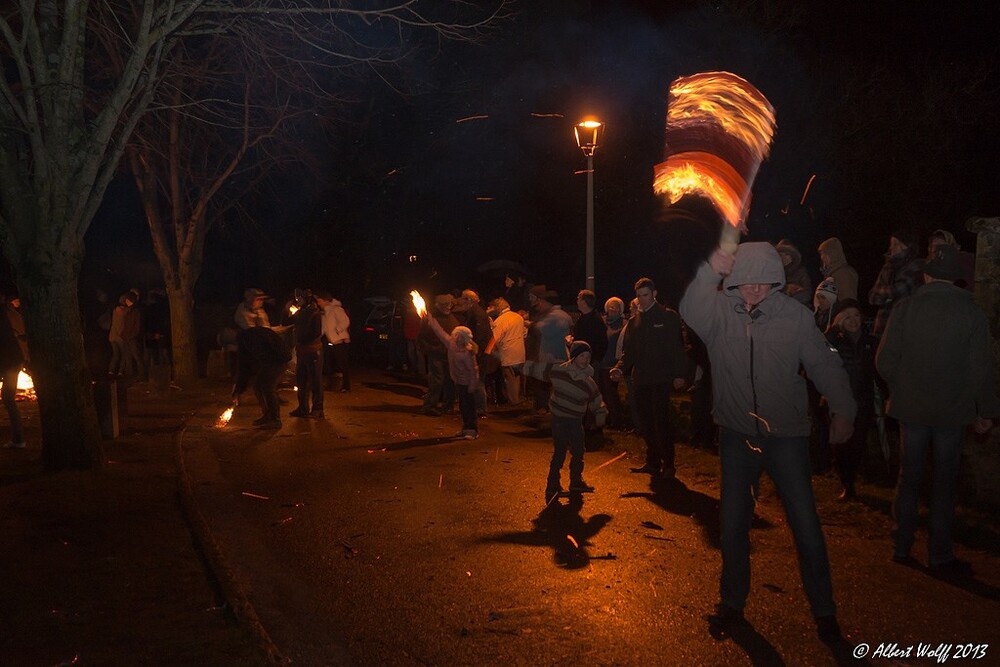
(779, 374)
(313, 331)
(781, 361)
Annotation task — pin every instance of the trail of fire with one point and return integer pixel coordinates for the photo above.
(609, 462)
(546, 115)
(806, 192)
(719, 130)
(468, 118)
(254, 495)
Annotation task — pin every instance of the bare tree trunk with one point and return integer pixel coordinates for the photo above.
(71, 437)
(183, 338)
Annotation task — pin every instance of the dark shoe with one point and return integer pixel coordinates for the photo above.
(345, 391)
(272, 425)
(580, 487)
(431, 412)
(955, 566)
(317, 414)
(905, 559)
(828, 629)
(647, 469)
(298, 412)
(721, 623)
(261, 420)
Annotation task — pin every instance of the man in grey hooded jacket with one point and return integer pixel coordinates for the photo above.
(757, 338)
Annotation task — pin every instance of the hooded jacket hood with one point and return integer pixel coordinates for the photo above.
(756, 262)
(835, 249)
(786, 248)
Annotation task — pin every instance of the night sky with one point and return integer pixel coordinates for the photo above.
(893, 108)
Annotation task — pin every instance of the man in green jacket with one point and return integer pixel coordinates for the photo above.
(936, 359)
(757, 338)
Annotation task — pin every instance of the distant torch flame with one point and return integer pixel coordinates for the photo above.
(719, 130)
(292, 310)
(418, 303)
(225, 417)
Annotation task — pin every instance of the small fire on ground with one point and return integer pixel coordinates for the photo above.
(25, 387)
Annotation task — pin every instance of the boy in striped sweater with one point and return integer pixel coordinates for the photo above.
(573, 391)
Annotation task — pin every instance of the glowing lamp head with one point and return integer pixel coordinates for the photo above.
(588, 135)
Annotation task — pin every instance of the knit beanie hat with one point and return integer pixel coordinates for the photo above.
(828, 289)
(577, 348)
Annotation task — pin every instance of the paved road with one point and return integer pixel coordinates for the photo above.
(373, 538)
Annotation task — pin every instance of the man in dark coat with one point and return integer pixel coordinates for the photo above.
(308, 323)
(261, 356)
(653, 352)
(935, 357)
(12, 356)
(440, 388)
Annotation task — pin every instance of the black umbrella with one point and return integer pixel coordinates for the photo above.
(505, 266)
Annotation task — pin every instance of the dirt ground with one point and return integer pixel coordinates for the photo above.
(101, 568)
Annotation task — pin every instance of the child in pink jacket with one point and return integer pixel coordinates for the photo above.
(464, 373)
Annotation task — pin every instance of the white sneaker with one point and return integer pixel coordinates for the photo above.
(15, 445)
(470, 435)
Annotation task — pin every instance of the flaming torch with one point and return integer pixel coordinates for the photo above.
(719, 130)
(418, 303)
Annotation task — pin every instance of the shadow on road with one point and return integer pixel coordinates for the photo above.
(562, 528)
(413, 391)
(398, 445)
(385, 407)
(673, 496)
(758, 649)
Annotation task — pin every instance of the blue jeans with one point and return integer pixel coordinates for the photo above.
(467, 406)
(786, 461)
(309, 378)
(567, 434)
(947, 457)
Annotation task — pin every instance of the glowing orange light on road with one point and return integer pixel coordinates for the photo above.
(224, 418)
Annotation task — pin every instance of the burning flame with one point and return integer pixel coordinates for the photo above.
(224, 417)
(25, 386)
(719, 130)
(24, 382)
(292, 310)
(418, 303)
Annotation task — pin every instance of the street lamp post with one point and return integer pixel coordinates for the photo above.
(587, 134)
